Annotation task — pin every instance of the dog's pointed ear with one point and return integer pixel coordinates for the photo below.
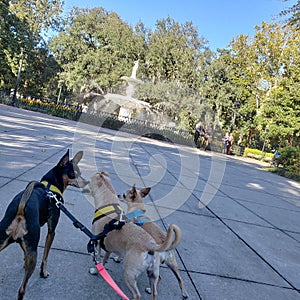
(133, 192)
(99, 178)
(144, 192)
(78, 156)
(64, 160)
(104, 174)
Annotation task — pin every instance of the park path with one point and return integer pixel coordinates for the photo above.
(240, 224)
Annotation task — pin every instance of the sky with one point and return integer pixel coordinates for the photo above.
(219, 21)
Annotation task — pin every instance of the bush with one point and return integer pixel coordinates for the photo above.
(258, 154)
(253, 153)
(290, 161)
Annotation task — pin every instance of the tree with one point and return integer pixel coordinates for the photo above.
(21, 25)
(265, 74)
(12, 39)
(173, 52)
(218, 89)
(96, 46)
(294, 11)
(39, 15)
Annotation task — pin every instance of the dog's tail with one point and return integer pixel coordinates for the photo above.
(17, 229)
(172, 239)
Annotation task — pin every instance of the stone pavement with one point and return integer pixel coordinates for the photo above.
(240, 224)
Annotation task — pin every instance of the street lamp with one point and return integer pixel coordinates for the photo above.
(236, 105)
(60, 84)
(14, 98)
(266, 134)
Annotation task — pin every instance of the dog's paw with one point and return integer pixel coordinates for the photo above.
(44, 274)
(93, 271)
(148, 291)
(117, 259)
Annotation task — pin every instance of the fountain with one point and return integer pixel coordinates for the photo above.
(126, 106)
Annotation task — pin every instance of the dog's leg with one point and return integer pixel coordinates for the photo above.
(106, 257)
(153, 274)
(131, 274)
(132, 285)
(5, 243)
(93, 270)
(171, 262)
(30, 257)
(5, 240)
(49, 240)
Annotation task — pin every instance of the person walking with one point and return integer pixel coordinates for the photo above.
(199, 132)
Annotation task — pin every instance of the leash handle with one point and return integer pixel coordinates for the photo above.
(102, 271)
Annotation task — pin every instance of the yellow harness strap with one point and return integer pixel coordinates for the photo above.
(107, 210)
(52, 188)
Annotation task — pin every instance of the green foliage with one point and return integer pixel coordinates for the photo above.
(96, 46)
(39, 15)
(290, 160)
(294, 14)
(254, 153)
(21, 25)
(254, 86)
(174, 52)
(49, 108)
(178, 101)
(258, 154)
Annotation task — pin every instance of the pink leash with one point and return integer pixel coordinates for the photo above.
(102, 271)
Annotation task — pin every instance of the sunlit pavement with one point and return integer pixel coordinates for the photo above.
(240, 224)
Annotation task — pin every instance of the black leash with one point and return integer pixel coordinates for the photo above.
(79, 225)
(114, 224)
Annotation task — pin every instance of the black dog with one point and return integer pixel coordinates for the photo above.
(32, 208)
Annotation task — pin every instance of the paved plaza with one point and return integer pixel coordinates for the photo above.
(240, 224)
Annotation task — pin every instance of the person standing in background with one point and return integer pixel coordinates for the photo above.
(229, 143)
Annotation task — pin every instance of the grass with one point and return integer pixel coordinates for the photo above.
(282, 172)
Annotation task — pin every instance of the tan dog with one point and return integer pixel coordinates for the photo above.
(136, 212)
(137, 248)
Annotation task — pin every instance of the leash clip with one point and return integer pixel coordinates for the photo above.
(51, 195)
(122, 217)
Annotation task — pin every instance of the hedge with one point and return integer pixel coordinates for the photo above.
(258, 154)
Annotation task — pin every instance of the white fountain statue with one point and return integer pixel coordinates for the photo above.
(134, 69)
(132, 81)
(125, 105)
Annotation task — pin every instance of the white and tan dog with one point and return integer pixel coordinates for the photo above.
(136, 212)
(137, 248)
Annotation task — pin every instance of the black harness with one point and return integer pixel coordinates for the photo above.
(55, 196)
(113, 224)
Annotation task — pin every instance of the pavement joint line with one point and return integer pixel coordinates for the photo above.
(251, 248)
(243, 279)
(263, 192)
(245, 207)
(266, 181)
(287, 289)
(165, 226)
(10, 179)
(185, 270)
(237, 221)
(247, 244)
(65, 250)
(273, 206)
(260, 217)
(30, 169)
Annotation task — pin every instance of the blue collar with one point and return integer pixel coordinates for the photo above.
(138, 217)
